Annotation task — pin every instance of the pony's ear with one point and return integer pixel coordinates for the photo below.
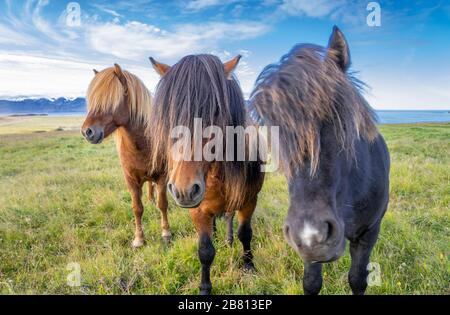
(119, 73)
(340, 51)
(95, 71)
(160, 68)
(231, 65)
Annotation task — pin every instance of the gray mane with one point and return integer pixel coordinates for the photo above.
(305, 90)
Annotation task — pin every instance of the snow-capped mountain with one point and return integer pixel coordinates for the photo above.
(24, 105)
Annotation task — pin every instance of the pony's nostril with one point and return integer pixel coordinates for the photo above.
(176, 193)
(195, 191)
(89, 133)
(330, 231)
(172, 189)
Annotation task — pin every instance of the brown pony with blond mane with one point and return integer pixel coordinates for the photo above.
(119, 103)
(202, 87)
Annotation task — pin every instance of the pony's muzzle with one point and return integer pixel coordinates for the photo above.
(93, 135)
(316, 242)
(189, 197)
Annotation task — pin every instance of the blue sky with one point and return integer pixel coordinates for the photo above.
(405, 61)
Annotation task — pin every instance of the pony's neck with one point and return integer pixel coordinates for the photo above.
(133, 136)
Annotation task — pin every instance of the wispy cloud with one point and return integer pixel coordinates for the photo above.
(203, 4)
(105, 9)
(42, 25)
(318, 8)
(9, 36)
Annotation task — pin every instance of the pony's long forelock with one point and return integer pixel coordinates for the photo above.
(106, 93)
(303, 91)
(196, 87)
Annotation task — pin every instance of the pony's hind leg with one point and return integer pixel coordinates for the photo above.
(215, 225)
(138, 210)
(245, 233)
(206, 252)
(150, 191)
(163, 205)
(360, 251)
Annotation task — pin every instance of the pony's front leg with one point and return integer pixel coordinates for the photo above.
(230, 236)
(138, 210)
(360, 251)
(204, 225)
(245, 233)
(161, 190)
(312, 278)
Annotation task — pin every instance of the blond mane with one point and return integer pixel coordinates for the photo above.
(106, 93)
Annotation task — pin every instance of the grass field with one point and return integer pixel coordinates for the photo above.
(38, 124)
(64, 201)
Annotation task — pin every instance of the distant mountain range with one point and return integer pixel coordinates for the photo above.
(43, 106)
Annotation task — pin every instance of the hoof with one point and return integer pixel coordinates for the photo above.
(230, 241)
(249, 267)
(167, 237)
(205, 291)
(138, 242)
(306, 292)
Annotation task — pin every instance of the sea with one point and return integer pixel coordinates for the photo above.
(412, 116)
(384, 116)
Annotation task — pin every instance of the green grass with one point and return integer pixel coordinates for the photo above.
(63, 201)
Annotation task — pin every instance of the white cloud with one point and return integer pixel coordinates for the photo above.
(245, 53)
(135, 40)
(411, 92)
(50, 77)
(246, 76)
(132, 40)
(43, 77)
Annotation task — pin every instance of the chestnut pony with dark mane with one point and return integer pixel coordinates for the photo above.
(119, 103)
(336, 161)
(202, 87)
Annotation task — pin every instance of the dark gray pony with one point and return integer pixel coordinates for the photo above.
(336, 162)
